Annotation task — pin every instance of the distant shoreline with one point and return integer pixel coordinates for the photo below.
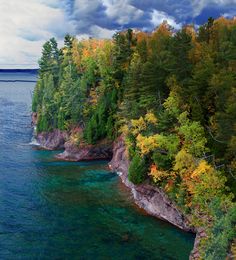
(17, 80)
(33, 71)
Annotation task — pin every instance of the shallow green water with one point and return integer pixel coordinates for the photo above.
(61, 210)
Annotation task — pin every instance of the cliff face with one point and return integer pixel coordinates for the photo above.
(152, 199)
(54, 140)
(148, 197)
(102, 151)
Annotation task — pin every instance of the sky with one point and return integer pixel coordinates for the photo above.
(26, 24)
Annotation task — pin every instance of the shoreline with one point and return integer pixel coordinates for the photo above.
(147, 197)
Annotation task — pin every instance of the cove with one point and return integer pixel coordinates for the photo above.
(61, 210)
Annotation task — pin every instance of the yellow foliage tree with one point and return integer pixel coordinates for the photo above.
(146, 144)
(138, 125)
(204, 185)
(158, 175)
(184, 162)
(151, 118)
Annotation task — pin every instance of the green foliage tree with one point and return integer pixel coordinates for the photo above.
(137, 170)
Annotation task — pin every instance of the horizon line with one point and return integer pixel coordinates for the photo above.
(19, 68)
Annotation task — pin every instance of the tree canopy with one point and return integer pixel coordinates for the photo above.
(172, 95)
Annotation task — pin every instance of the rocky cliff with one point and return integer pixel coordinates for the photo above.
(54, 140)
(73, 152)
(152, 199)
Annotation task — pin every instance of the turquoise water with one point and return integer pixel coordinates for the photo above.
(60, 210)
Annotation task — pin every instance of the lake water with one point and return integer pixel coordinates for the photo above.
(62, 210)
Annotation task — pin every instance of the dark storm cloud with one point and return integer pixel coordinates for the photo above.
(114, 15)
(120, 14)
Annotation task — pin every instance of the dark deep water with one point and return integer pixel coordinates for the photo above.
(62, 210)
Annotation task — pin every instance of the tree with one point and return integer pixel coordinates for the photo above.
(193, 136)
(49, 61)
(180, 49)
(205, 31)
(132, 88)
(137, 170)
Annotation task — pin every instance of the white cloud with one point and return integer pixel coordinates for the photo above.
(229, 15)
(199, 5)
(84, 6)
(24, 27)
(157, 17)
(122, 11)
(100, 32)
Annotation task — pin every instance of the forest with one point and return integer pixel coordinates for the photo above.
(172, 95)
